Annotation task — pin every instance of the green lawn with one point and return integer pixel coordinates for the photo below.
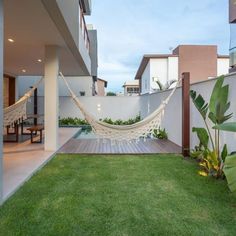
(120, 195)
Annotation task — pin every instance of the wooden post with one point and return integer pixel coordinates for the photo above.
(35, 105)
(186, 114)
(1, 98)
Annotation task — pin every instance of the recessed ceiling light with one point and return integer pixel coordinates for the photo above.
(39, 60)
(11, 40)
(23, 70)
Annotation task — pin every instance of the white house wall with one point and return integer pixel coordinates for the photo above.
(146, 79)
(222, 66)
(173, 68)
(110, 107)
(173, 114)
(159, 69)
(164, 69)
(71, 12)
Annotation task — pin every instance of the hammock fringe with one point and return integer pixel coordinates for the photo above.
(16, 113)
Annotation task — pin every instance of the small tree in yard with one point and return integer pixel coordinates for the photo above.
(111, 94)
(166, 86)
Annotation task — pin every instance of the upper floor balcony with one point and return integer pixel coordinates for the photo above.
(69, 19)
(84, 30)
(86, 6)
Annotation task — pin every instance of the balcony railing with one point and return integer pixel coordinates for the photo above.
(84, 30)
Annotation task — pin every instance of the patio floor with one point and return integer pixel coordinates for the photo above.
(21, 160)
(92, 146)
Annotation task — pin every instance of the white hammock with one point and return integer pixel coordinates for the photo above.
(123, 132)
(16, 113)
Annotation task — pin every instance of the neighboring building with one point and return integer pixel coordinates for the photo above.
(202, 61)
(232, 21)
(131, 88)
(100, 87)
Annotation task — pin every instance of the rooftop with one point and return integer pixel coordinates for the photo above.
(146, 58)
(131, 83)
(103, 81)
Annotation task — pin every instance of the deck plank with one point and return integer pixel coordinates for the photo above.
(94, 146)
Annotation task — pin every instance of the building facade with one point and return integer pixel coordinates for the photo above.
(131, 88)
(202, 61)
(100, 87)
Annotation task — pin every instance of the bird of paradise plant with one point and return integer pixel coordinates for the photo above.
(214, 113)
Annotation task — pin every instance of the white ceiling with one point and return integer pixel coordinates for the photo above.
(28, 23)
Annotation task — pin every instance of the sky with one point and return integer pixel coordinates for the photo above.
(128, 29)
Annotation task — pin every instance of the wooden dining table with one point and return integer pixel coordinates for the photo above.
(21, 125)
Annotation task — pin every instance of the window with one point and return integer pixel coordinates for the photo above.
(133, 90)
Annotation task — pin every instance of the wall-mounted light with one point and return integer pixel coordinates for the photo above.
(39, 60)
(11, 40)
(23, 70)
(99, 107)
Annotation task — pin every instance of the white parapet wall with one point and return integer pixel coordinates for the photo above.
(173, 114)
(100, 107)
(205, 88)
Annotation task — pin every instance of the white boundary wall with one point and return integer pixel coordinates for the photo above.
(100, 107)
(173, 114)
(128, 107)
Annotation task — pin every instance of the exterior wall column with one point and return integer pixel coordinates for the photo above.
(1, 100)
(51, 98)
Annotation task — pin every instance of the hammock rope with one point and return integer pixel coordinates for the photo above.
(141, 129)
(16, 113)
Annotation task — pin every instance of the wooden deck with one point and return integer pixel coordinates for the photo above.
(93, 146)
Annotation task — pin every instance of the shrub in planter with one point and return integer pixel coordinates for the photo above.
(160, 133)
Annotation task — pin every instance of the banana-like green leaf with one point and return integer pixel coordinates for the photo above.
(199, 103)
(215, 94)
(230, 172)
(230, 126)
(219, 102)
(224, 152)
(202, 136)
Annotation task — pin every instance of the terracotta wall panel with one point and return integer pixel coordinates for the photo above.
(200, 61)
